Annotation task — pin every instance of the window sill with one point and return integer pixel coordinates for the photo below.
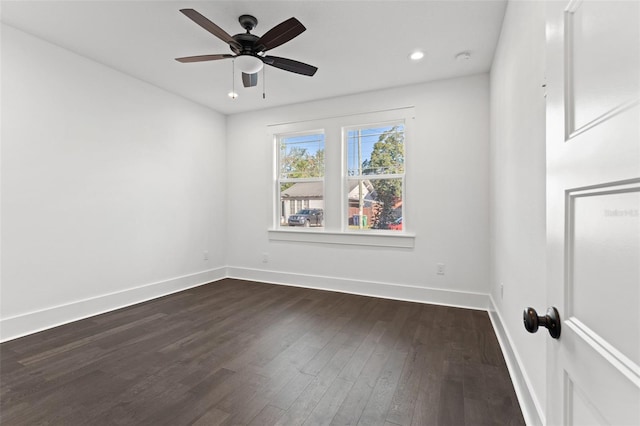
(376, 239)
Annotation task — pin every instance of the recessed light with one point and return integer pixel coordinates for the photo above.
(463, 56)
(232, 95)
(416, 56)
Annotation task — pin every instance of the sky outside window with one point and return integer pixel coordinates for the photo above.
(368, 138)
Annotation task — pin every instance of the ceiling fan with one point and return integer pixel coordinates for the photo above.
(249, 49)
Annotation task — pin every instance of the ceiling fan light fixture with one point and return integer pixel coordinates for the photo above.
(248, 64)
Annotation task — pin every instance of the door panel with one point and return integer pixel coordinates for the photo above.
(581, 411)
(603, 248)
(600, 78)
(606, 399)
(593, 211)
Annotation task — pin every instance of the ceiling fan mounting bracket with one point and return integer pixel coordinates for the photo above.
(248, 22)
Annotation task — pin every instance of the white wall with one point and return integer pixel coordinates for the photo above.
(108, 184)
(518, 176)
(446, 198)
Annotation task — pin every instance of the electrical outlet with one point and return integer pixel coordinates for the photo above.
(265, 257)
(440, 268)
(205, 255)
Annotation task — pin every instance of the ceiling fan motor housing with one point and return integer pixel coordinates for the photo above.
(247, 41)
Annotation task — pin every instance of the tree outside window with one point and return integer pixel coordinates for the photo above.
(375, 161)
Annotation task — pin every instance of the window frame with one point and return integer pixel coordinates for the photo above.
(335, 211)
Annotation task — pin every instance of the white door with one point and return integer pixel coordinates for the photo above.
(593, 203)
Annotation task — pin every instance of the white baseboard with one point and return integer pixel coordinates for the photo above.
(531, 409)
(33, 322)
(365, 288)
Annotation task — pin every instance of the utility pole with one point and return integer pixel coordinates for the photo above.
(361, 192)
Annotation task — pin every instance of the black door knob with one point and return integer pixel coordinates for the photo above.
(551, 321)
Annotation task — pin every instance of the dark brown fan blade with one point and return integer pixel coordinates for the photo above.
(210, 26)
(290, 65)
(250, 80)
(279, 34)
(202, 58)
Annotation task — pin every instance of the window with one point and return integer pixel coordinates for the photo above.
(342, 179)
(301, 179)
(375, 176)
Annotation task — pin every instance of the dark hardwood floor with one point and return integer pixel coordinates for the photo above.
(237, 352)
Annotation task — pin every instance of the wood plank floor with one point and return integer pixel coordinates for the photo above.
(243, 353)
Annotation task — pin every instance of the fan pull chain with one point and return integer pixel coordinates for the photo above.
(264, 83)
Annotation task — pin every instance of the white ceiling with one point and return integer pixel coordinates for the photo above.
(357, 45)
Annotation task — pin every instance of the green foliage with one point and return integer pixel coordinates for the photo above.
(298, 163)
(387, 156)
